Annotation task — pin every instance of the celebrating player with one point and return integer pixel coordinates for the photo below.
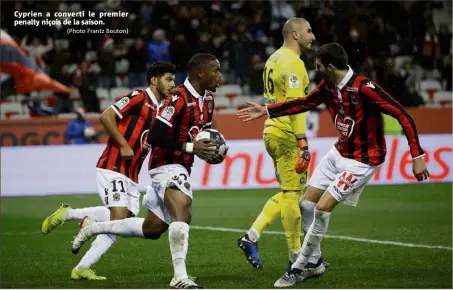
(285, 77)
(188, 109)
(127, 123)
(355, 104)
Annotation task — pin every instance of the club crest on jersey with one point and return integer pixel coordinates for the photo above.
(122, 103)
(344, 125)
(168, 113)
(193, 132)
(293, 82)
(354, 99)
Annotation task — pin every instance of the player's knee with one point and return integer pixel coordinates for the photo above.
(119, 213)
(153, 227)
(153, 232)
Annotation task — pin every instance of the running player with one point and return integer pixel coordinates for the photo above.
(188, 110)
(285, 78)
(127, 123)
(355, 104)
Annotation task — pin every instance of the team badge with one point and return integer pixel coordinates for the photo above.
(354, 99)
(116, 196)
(293, 82)
(122, 103)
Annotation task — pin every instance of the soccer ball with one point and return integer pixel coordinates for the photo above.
(217, 139)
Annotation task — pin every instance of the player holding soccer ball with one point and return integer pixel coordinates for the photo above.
(127, 123)
(355, 104)
(285, 78)
(188, 110)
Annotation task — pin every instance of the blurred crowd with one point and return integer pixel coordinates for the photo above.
(242, 34)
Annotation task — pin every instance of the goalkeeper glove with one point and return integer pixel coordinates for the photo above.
(303, 156)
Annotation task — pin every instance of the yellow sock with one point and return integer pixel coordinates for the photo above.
(291, 220)
(270, 212)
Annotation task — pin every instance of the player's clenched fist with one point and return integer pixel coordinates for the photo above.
(126, 152)
(303, 156)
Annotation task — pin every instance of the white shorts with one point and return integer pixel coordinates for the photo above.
(117, 190)
(162, 178)
(344, 178)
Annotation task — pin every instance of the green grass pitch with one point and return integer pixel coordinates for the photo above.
(408, 214)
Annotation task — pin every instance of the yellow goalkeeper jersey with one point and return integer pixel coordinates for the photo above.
(285, 77)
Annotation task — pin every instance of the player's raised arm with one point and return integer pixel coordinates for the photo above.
(391, 107)
(119, 110)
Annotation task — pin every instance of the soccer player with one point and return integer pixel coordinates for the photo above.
(187, 110)
(355, 104)
(127, 123)
(285, 78)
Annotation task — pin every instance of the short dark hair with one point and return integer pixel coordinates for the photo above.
(333, 53)
(159, 68)
(198, 60)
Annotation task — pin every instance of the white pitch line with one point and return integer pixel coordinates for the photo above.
(370, 241)
(231, 230)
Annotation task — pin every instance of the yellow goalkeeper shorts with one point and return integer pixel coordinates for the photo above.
(284, 155)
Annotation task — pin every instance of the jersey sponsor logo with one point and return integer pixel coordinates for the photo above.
(346, 181)
(293, 82)
(370, 85)
(344, 125)
(168, 113)
(122, 103)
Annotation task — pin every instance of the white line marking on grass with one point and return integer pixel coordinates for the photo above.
(231, 230)
(370, 241)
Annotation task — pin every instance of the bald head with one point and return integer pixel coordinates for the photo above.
(297, 35)
(293, 24)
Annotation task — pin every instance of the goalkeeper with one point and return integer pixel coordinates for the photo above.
(285, 77)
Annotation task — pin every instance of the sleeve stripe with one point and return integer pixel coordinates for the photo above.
(164, 121)
(116, 111)
(379, 93)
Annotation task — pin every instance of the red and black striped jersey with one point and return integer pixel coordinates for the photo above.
(186, 113)
(355, 106)
(136, 111)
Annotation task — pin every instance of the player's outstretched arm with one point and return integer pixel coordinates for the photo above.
(391, 107)
(252, 112)
(108, 121)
